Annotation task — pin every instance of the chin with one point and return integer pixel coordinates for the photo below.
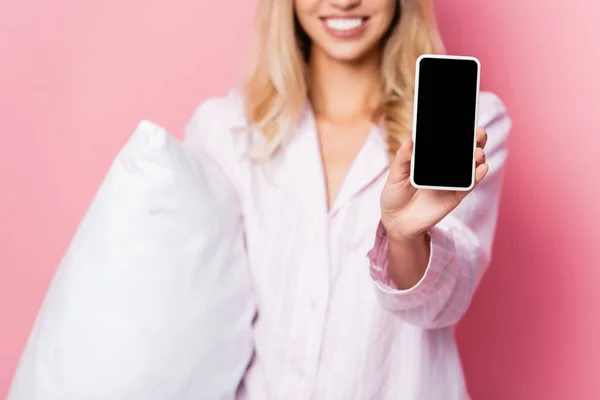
(348, 55)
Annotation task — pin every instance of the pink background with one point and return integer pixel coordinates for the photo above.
(75, 78)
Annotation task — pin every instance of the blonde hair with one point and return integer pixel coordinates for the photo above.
(276, 88)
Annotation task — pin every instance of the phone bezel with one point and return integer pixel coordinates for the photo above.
(414, 128)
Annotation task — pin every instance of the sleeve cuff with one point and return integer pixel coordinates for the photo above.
(441, 253)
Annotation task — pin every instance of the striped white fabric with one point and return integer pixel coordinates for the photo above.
(329, 323)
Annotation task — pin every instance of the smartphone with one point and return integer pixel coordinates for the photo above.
(445, 122)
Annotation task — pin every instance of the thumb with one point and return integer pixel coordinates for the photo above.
(400, 167)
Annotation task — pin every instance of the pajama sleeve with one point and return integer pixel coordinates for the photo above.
(461, 244)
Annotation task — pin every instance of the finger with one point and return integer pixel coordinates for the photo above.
(479, 156)
(400, 167)
(481, 137)
(481, 172)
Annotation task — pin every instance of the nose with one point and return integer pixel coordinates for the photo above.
(345, 4)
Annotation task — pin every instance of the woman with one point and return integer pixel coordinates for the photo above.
(359, 278)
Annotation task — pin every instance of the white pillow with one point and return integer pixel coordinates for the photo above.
(153, 298)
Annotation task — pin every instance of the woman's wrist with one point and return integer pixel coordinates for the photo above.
(408, 257)
(401, 235)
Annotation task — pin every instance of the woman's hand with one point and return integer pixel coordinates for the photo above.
(406, 212)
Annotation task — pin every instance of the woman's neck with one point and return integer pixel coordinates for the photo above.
(341, 91)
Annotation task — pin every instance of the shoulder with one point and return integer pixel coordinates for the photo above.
(491, 109)
(216, 130)
(494, 117)
(221, 111)
(215, 124)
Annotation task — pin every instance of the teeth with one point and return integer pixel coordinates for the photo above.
(343, 24)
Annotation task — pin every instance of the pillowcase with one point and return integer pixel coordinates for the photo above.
(152, 300)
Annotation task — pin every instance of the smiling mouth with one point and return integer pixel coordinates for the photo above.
(344, 24)
(346, 28)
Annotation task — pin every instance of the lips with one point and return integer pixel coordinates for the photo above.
(345, 27)
(343, 24)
